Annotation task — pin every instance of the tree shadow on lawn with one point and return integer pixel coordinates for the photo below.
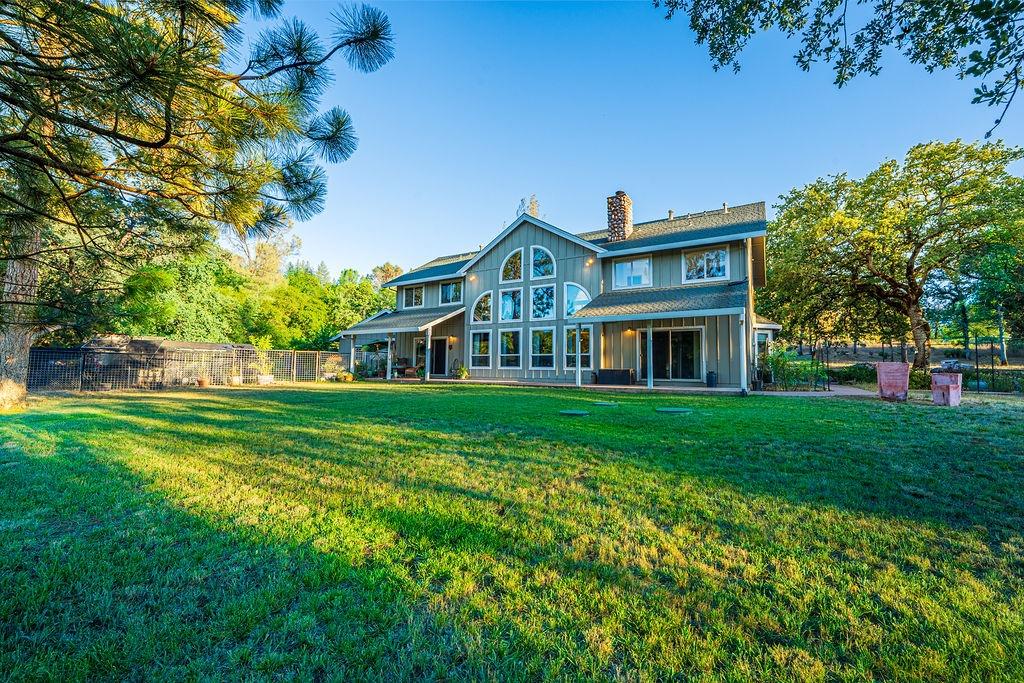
(962, 469)
(477, 553)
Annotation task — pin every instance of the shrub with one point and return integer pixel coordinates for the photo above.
(920, 379)
(787, 371)
(858, 372)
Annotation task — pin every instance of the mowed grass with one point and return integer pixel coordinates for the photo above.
(411, 532)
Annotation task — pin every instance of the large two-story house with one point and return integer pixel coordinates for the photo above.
(661, 302)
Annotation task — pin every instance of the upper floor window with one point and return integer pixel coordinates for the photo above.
(706, 264)
(451, 292)
(413, 296)
(512, 267)
(482, 308)
(576, 297)
(631, 273)
(511, 305)
(542, 302)
(543, 263)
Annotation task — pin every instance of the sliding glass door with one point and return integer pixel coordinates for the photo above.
(677, 354)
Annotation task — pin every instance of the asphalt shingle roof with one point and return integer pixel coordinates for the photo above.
(694, 226)
(407, 319)
(646, 302)
(438, 267)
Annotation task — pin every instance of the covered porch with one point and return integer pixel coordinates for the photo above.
(680, 337)
(427, 340)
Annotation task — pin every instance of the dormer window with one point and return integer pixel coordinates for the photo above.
(451, 292)
(706, 265)
(412, 297)
(543, 263)
(512, 267)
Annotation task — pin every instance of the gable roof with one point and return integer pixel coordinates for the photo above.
(704, 227)
(527, 218)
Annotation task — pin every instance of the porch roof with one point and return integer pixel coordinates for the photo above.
(406, 320)
(665, 302)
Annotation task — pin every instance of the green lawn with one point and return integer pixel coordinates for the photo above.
(366, 531)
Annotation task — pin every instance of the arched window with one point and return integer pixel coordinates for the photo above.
(543, 263)
(576, 297)
(512, 267)
(482, 308)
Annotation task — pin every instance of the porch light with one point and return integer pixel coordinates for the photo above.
(472, 278)
(590, 260)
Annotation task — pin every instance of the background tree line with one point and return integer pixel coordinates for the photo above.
(217, 295)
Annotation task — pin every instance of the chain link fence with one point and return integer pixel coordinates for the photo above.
(81, 369)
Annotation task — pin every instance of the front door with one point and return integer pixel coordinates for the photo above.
(439, 357)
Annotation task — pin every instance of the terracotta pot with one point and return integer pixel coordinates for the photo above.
(203, 382)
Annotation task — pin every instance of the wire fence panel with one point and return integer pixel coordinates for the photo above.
(54, 369)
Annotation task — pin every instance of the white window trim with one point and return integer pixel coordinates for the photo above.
(499, 354)
(565, 295)
(638, 257)
(554, 264)
(522, 305)
(554, 345)
(703, 351)
(423, 297)
(554, 303)
(704, 250)
(490, 352)
(472, 311)
(522, 267)
(565, 347)
(440, 291)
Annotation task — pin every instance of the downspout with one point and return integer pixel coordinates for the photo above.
(748, 339)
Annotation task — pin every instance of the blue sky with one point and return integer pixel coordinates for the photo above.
(486, 103)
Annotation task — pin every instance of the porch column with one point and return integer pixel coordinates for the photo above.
(387, 376)
(743, 353)
(352, 354)
(426, 361)
(579, 345)
(650, 354)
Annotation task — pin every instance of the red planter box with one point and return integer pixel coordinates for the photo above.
(946, 388)
(893, 381)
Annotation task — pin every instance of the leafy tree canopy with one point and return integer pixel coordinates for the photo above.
(981, 40)
(842, 245)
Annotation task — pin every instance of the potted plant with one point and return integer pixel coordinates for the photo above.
(262, 365)
(203, 380)
(460, 371)
(235, 378)
(346, 376)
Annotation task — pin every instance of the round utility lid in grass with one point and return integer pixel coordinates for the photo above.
(678, 411)
(611, 404)
(574, 413)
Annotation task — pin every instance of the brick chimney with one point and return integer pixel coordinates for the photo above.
(620, 217)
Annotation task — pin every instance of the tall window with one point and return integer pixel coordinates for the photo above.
(512, 267)
(451, 292)
(511, 305)
(509, 351)
(575, 298)
(570, 347)
(707, 264)
(542, 348)
(482, 308)
(632, 273)
(543, 263)
(542, 302)
(413, 296)
(480, 350)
